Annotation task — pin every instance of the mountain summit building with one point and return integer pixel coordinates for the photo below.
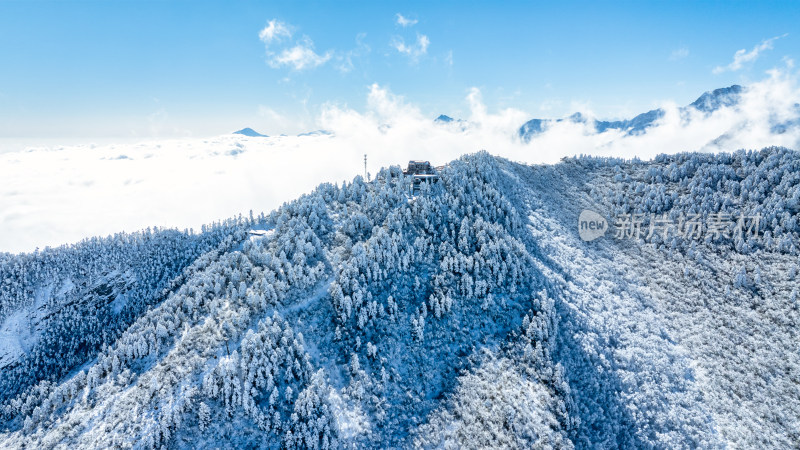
(421, 172)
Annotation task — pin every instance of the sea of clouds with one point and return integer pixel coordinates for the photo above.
(61, 194)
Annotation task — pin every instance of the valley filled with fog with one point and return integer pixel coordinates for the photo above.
(56, 194)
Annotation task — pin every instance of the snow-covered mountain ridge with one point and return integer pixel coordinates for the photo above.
(469, 316)
(707, 103)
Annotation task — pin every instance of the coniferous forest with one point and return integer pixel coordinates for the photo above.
(469, 314)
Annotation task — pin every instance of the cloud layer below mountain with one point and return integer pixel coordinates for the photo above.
(50, 196)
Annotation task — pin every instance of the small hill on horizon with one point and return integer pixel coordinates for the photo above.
(249, 132)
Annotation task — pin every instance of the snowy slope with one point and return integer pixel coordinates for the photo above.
(676, 351)
(469, 316)
(59, 307)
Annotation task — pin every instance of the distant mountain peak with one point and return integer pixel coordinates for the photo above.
(707, 103)
(249, 132)
(448, 122)
(718, 98)
(316, 133)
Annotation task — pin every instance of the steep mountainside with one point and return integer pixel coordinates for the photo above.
(469, 316)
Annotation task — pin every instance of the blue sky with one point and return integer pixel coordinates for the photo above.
(88, 69)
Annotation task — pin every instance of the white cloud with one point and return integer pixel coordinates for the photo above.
(346, 59)
(64, 194)
(405, 22)
(678, 54)
(274, 30)
(299, 57)
(413, 51)
(743, 56)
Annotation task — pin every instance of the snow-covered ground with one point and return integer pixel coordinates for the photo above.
(472, 316)
(15, 337)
